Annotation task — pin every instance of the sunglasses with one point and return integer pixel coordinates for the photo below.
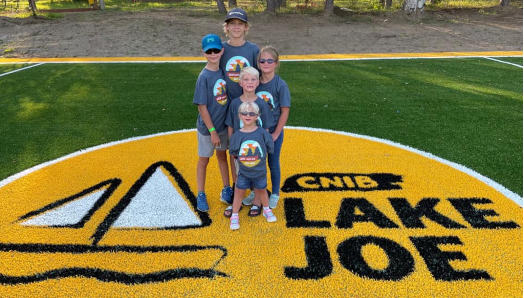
(213, 51)
(269, 61)
(252, 114)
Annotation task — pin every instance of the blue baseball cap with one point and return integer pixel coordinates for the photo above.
(237, 13)
(211, 41)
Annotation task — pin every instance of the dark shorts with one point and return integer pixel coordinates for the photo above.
(246, 183)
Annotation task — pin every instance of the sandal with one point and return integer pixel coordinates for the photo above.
(255, 210)
(229, 211)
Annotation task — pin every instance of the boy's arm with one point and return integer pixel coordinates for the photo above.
(229, 131)
(233, 145)
(204, 113)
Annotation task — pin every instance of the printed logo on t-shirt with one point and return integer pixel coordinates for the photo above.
(267, 97)
(219, 91)
(250, 153)
(234, 66)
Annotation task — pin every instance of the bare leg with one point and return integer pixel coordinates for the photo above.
(223, 166)
(237, 201)
(201, 173)
(262, 195)
(233, 168)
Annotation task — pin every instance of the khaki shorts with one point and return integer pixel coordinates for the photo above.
(206, 148)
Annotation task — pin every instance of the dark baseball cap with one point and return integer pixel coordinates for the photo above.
(237, 13)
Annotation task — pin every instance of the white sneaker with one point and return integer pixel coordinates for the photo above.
(268, 214)
(248, 201)
(234, 223)
(273, 201)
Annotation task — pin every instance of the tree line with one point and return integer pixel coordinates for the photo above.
(273, 6)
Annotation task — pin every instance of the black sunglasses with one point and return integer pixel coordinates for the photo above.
(252, 114)
(269, 61)
(213, 51)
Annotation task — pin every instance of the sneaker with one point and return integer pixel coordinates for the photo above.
(248, 201)
(202, 202)
(268, 214)
(234, 223)
(273, 201)
(226, 195)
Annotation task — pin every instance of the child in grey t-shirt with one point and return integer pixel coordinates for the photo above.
(238, 52)
(212, 101)
(250, 146)
(248, 80)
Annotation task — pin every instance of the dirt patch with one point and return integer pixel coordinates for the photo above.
(177, 33)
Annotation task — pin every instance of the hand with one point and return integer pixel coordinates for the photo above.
(275, 136)
(215, 140)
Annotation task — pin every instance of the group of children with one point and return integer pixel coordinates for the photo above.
(243, 107)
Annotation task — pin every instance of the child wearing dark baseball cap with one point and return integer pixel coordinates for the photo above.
(237, 13)
(238, 54)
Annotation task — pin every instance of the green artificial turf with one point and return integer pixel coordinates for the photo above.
(468, 111)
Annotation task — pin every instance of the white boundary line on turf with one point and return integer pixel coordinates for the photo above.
(386, 58)
(503, 190)
(505, 62)
(20, 69)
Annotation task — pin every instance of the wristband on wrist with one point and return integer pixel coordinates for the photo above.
(212, 129)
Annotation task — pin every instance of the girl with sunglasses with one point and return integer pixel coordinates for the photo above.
(275, 92)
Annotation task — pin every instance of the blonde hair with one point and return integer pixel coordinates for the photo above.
(226, 32)
(271, 51)
(248, 105)
(249, 70)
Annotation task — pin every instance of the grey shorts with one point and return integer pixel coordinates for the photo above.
(206, 148)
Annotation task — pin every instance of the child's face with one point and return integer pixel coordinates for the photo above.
(249, 83)
(213, 55)
(236, 28)
(249, 118)
(267, 63)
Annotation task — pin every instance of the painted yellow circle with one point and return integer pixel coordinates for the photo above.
(356, 218)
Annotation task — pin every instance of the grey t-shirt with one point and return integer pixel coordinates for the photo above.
(251, 149)
(276, 94)
(210, 90)
(265, 119)
(233, 61)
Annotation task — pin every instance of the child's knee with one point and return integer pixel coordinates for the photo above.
(222, 156)
(203, 161)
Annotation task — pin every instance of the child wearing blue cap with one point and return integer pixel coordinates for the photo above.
(213, 103)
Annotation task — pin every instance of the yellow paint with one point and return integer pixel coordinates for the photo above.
(258, 253)
(283, 57)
